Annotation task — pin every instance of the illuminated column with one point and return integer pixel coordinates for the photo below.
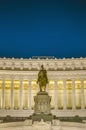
(0, 94)
(25, 94)
(55, 95)
(73, 94)
(65, 99)
(12, 90)
(29, 94)
(3, 87)
(82, 95)
(47, 88)
(20, 94)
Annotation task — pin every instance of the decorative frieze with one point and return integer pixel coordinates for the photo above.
(49, 64)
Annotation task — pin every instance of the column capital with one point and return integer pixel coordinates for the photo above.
(55, 81)
(64, 79)
(73, 79)
(82, 79)
(3, 80)
(30, 80)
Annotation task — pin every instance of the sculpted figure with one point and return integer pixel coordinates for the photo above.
(42, 79)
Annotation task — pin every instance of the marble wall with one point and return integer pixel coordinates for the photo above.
(56, 125)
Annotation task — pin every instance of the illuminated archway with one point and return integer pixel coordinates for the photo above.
(7, 94)
(78, 93)
(69, 93)
(16, 94)
(60, 94)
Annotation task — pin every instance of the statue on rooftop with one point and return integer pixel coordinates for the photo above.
(42, 79)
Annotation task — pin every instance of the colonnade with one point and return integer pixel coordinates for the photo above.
(65, 94)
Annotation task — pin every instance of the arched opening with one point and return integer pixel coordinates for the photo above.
(69, 93)
(7, 94)
(60, 94)
(78, 94)
(16, 94)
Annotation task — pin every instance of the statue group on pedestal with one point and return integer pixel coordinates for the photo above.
(42, 100)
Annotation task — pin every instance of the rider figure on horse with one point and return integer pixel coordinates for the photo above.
(42, 79)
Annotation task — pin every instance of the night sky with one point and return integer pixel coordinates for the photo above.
(42, 28)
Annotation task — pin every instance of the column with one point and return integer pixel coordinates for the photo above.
(55, 95)
(47, 87)
(12, 90)
(82, 94)
(20, 94)
(64, 97)
(3, 87)
(29, 94)
(73, 94)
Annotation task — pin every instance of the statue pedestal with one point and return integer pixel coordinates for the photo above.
(42, 103)
(42, 107)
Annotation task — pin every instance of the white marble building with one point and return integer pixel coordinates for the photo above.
(67, 86)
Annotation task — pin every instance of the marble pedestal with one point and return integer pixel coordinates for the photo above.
(42, 103)
(42, 107)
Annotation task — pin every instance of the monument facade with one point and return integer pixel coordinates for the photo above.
(66, 86)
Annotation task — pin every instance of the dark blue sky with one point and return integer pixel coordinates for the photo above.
(47, 28)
